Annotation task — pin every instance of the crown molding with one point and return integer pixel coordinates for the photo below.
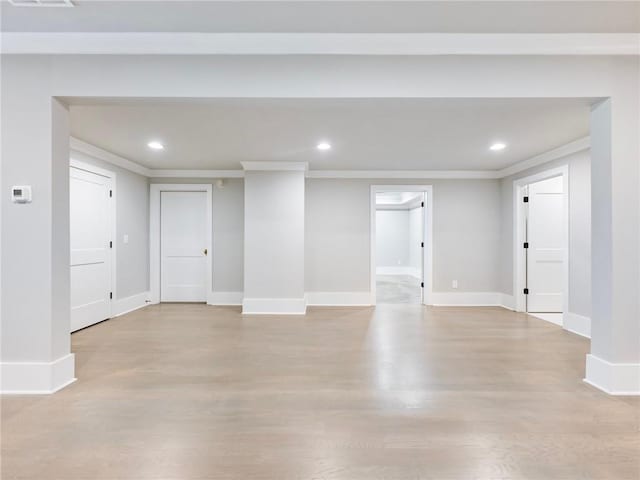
(555, 154)
(570, 148)
(104, 155)
(161, 173)
(403, 174)
(180, 43)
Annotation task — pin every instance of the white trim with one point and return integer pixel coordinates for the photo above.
(468, 299)
(37, 377)
(578, 324)
(507, 301)
(225, 298)
(113, 213)
(405, 174)
(274, 306)
(191, 43)
(276, 166)
(154, 231)
(613, 378)
(518, 234)
(129, 304)
(570, 148)
(555, 318)
(427, 257)
(196, 173)
(102, 154)
(338, 299)
(581, 144)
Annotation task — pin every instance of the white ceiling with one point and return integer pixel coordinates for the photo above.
(366, 134)
(295, 16)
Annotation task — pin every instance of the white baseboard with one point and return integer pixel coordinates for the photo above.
(613, 378)
(508, 301)
(467, 299)
(413, 272)
(37, 377)
(274, 306)
(225, 298)
(338, 299)
(577, 324)
(129, 304)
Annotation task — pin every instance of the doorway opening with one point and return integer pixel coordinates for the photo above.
(542, 245)
(400, 244)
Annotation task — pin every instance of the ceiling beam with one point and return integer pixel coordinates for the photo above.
(172, 43)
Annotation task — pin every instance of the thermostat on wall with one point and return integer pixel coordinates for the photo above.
(21, 194)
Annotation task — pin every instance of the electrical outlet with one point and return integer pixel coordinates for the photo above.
(125, 239)
(454, 284)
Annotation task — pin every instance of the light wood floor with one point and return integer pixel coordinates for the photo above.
(398, 392)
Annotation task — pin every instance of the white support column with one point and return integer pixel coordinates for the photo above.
(35, 353)
(274, 238)
(614, 362)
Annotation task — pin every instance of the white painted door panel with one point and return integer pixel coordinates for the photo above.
(545, 256)
(90, 234)
(183, 243)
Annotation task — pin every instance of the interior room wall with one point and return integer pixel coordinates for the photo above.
(392, 241)
(466, 225)
(132, 219)
(579, 229)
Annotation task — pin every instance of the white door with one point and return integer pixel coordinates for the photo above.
(183, 246)
(545, 255)
(90, 241)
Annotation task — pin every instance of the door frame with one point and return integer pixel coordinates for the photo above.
(155, 190)
(519, 257)
(87, 167)
(427, 235)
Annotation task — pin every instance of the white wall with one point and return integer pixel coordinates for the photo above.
(579, 230)
(132, 219)
(392, 240)
(466, 225)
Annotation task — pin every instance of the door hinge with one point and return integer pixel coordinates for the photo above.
(111, 295)
(526, 291)
(110, 193)
(526, 245)
(525, 199)
(422, 204)
(422, 244)
(421, 284)
(110, 244)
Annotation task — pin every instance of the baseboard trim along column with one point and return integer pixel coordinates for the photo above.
(224, 298)
(129, 304)
(37, 377)
(274, 306)
(338, 299)
(613, 378)
(577, 324)
(468, 299)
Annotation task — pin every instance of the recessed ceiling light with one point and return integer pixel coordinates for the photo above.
(497, 146)
(323, 146)
(155, 145)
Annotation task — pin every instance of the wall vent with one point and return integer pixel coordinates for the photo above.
(41, 3)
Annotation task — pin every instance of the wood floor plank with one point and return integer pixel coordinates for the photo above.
(192, 392)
